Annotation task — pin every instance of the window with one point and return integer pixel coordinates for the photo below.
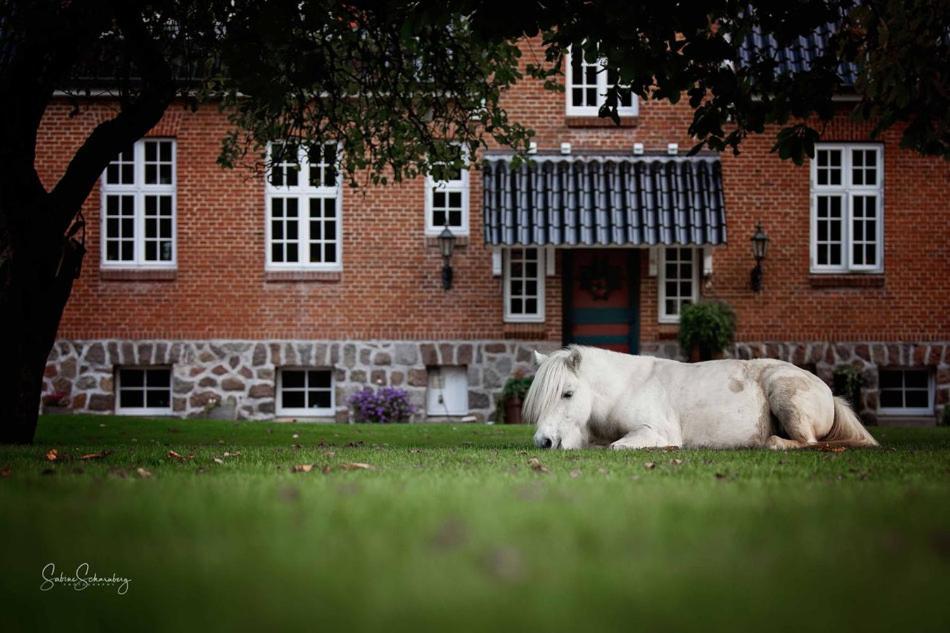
(145, 390)
(847, 232)
(138, 207)
(447, 203)
(448, 391)
(586, 87)
(307, 392)
(303, 208)
(906, 392)
(524, 285)
(678, 281)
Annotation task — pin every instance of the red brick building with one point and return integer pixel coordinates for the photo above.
(207, 290)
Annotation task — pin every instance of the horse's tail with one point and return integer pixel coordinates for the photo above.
(847, 429)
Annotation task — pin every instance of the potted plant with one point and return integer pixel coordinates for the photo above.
(513, 394)
(847, 382)
(707, 328)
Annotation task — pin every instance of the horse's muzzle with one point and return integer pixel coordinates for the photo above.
(543, 441)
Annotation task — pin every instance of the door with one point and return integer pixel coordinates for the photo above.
(601, 299)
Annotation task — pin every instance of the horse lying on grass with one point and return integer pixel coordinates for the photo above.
(584, 396)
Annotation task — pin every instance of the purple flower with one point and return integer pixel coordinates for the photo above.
(387, 404)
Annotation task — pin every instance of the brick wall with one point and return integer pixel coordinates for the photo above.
(390, 287)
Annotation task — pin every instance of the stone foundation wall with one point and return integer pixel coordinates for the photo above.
(236, 379)
(823, 358)
(239, 377)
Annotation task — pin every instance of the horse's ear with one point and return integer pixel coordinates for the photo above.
(574, 360)
(539, 358)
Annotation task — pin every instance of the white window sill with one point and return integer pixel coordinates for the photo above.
(306, 413)
(128, 411)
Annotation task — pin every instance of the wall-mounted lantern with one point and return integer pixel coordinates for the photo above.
(760, 245)
(446, 246)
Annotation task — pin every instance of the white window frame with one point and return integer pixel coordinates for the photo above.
(303, 412)
(448, 186)
(662, 315)
(120, 410)
(910, 411)
(537, 317)
(437, 386)
(139, 190)
(848, 192)
(572, 110)
(303, 193)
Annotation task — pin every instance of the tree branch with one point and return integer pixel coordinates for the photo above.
(135, 119)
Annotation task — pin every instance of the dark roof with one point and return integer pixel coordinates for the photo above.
(798, 55)
(604, 200)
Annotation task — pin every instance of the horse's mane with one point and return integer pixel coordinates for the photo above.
(549, 382)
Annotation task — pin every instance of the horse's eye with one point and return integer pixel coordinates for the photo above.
(567, 394)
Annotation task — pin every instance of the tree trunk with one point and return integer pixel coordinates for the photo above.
(36, 277)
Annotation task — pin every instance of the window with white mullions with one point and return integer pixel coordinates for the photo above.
(905, 392)
(305, 392)
(524, 284)
(678, 281)
(847, 208)
(447, 202)
(138, 207)
(144, 390)
(587, 81)
(303, 204)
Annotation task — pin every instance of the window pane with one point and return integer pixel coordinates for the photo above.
(292, 379)
(916, 399)
(132, 378)
(891, 399)
(320, 379)
(319, 399)
(293, 399)
(158, 377)
(916, 380)
(157, 398)
(131, 398)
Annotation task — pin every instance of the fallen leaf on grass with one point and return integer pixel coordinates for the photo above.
(143, 473)
(575, 473)
(603, 471)
(356, 466)
(175, 455)
(5, 472)
(649, 465)
(828, 448)
(234, 454)
(218, 460)
(52, 455)
(301, 468)
(296, 436)
(328, 454)
(676, 462)
(537, 466)
(721, 475)
(98, 455)
(415, 450)
(326, 470)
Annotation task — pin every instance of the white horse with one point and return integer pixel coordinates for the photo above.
(583, 396)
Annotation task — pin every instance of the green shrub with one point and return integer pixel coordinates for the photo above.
(516, 387)
(710, 325)
(847, 382)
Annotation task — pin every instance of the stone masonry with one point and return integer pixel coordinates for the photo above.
(236, 379)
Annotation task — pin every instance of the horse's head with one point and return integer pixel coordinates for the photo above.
(559, 401)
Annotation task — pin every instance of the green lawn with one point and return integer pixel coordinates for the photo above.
(453, 529)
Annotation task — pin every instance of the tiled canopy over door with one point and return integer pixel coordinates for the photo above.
(586, 203)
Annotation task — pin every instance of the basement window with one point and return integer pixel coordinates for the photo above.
(144, 390)
(906, 392)
(447, 394)
(305, 392)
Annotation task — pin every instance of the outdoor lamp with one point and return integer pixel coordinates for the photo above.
(760, 244)
(446, 246)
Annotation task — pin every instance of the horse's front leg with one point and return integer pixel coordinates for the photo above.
(644, 437)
